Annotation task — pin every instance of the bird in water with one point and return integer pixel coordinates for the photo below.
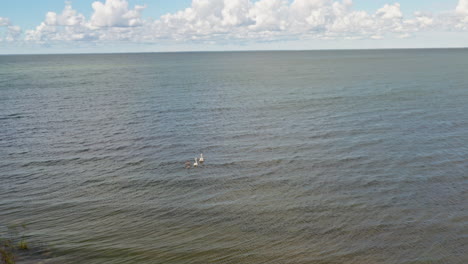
(201, 159)
(187, 164)
(195, 164)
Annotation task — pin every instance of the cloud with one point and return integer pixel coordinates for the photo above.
(66, 26)
(115, 13)
(107, 22)
(419, 22)
(222, 21)
(462, 15)
(390, 12)
(4, 21)
(266, 19)
(456, 21)
(68, 17)
(269, 15)
(12, 32)
(462, 7)
(226, 20)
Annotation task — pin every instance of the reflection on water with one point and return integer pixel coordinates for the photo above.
(311, 157)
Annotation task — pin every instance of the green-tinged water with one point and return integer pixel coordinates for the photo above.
(311, 157)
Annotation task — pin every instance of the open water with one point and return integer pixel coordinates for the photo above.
(310, 156)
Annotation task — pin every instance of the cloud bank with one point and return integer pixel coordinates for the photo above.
(224, 21)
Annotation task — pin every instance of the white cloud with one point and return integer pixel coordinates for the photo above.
(108, 22)
(220, 21)
(462, 7)
(68, 17)
(66, 26)
(419, 22)
(462, 15)
(204, 18)
(4, 21)
(269, 15)
(115, 13)
(454, 21)
(12, 32)
(390, 12)
(243, 19)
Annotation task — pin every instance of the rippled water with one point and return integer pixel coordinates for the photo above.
(311, 157)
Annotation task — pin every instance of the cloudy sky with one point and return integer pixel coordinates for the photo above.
(55, 26)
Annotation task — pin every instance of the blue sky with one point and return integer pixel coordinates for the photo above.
(136, 25)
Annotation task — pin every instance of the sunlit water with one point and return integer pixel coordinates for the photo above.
(311, 157)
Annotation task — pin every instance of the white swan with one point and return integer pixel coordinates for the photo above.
(195, 164)
(201, 159)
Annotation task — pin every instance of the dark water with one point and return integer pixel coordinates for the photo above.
(311, 157)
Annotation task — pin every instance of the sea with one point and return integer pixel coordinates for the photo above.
(357, 156)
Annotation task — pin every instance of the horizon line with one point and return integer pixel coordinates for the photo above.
(227, 51)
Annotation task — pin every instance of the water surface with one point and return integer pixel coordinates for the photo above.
(311, 157)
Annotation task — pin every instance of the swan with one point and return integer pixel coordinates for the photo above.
(201, 159)
(195, 164)
(187, 165)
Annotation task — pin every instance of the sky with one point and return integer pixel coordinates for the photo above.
(95, 26)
